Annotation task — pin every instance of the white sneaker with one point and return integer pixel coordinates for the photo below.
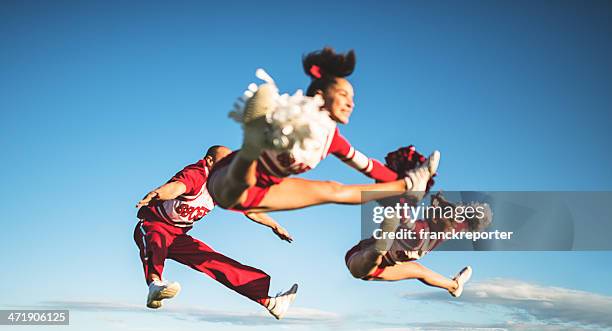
(279, 304)
(261, 103)
(462, 277)
(255, 126)
(416, 179)
(159, 291)
(433, 162)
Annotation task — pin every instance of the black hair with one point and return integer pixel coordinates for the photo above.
(212, 151)
(325, 66)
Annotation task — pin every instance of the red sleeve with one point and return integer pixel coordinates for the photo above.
(372, 168)
(193, 176)
(340, 147)
(381, 173)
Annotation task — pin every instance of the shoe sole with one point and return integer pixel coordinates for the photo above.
(168, 293)
(433, 162)
(432, 166)
(467, 274)
(260, 104)
(292, 292)
(154, 304)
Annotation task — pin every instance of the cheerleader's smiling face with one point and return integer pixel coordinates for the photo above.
(339, 100)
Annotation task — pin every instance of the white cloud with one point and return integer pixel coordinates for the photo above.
(454, 326)
(296, 315)
(523, 306)
(527, 302)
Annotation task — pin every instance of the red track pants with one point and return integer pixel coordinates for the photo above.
(158, 241)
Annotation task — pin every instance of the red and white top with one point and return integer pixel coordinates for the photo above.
(297, 160)
(405, 250)
(187, 208)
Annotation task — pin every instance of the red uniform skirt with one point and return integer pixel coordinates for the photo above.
(255, 193)
(362, 245)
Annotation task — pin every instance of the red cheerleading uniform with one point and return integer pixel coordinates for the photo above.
(403, 250)
(162, 230)
(188, 208)
(273, 166)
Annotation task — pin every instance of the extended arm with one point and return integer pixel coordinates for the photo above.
(372, 168)
(167, 191)
(268, 221)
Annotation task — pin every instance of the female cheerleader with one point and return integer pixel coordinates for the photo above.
(391, 260)
(255, 177)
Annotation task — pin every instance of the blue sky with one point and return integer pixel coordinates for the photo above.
(102, 101)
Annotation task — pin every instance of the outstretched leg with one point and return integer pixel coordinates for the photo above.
(366, 264)
(414, 270)
(153, 240)
(245, 280)
(230, 185)
(295, 193)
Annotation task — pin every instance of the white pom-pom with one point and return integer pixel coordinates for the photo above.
(263, 75)
(296, 122)
(287, 130)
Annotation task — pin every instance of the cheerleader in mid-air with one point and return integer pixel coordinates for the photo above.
(384, 259)
(392, 260)
(287, 135)
(168, 213)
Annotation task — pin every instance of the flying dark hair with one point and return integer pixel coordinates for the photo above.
(325, 66)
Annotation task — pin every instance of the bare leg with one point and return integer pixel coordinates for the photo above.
(233, 181)
(295, 193)
(414, 270)
(230, 186)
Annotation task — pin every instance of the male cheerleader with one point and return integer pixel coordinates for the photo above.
(166, 215)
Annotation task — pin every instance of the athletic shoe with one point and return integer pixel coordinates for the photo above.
(279, 304)
(261, 103)
(416, 179)
(159, 291)
(255, 126)
(433, 162)
(462, 277)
